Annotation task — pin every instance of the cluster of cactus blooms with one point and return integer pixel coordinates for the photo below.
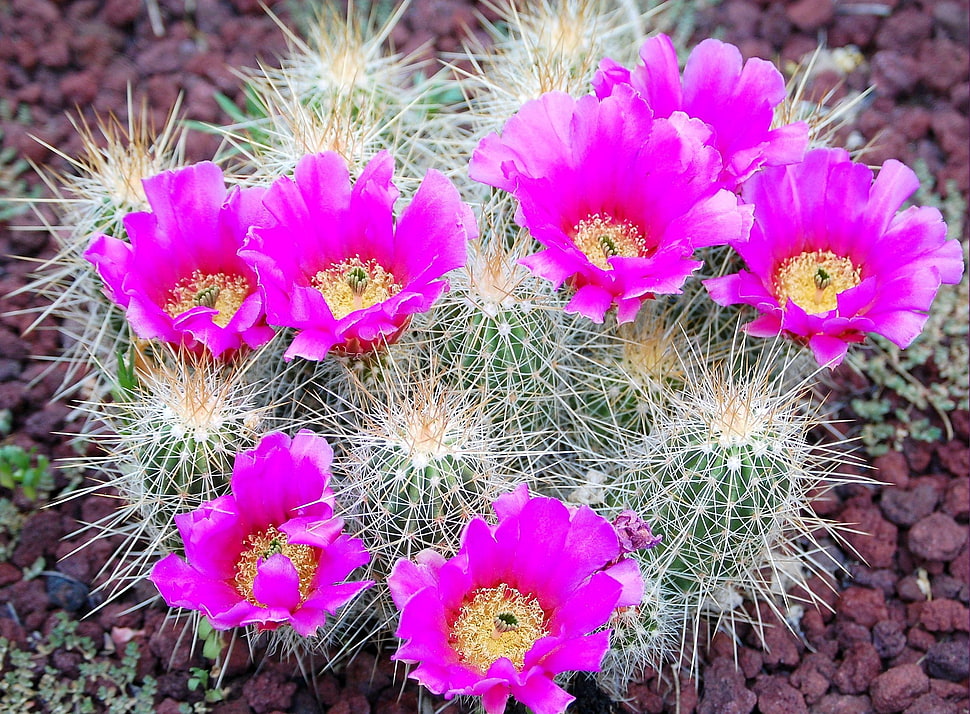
(542, 350)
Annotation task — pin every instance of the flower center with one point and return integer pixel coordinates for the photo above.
(220, 291)
(601, 238)
(259, 547)
(354, 285)
(814, 279)
(497, 622)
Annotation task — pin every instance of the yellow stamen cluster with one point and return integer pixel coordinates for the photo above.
(601, 238)
(223, 292)
(497, 622)
(259, 547)
(354, 285)
(814, 279)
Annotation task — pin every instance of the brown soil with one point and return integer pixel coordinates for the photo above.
(896, 638)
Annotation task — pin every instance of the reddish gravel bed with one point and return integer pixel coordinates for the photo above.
(896, 637)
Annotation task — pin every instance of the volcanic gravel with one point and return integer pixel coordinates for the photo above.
(895, 638)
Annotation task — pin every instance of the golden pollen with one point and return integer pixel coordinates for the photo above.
(814, 279)
(601, 238)
(260, 546)
(497, 622)
(354, 285)
(220, 291)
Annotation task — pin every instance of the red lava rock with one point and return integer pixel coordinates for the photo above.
(816, 633)
(687, 697)
(742, 17)
(843, 704)
(750, 661)
(813, 676)
(122, 12)
(954, 455)
(937, 537)
(168, 706)
(11, 631)
(864, 606)
(778, 643)
(11, 396)
(892, 468)
(355, 704)
(948, 660)
(28, 599)
(80, 88)
(12, 346)
(328, 690)
(42, 531)
(55, 52)
(860, 666)
(919, 639)
(269, 691)
(954, 691)
(913, 123)
(883, 579)
(777, 696)
(894, 72)
(239, 660)
(174, 647)
(944, 63)
(724, 690)
(809, 15)
(932, 703)
(774, 25)
(364, 676)
(957, 500)
(952, 18)
(908, 589)
(9, 574)
(43, 425)
(904, 30)
(948, 588)
(849, 634)
(896, 689)
(944, 616)
(888, 638)
(905, 507)
(645, 700)
(876, 541)
(852, 29)
(235, 706)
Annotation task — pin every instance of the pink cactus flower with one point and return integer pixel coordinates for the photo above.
(180, 279)
(520, 602)
(831, 259)
(271, 552)
(737, 101)
(337, 267)
(619, 200)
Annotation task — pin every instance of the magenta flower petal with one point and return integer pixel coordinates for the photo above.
(304, 493)
(270, 552)
(736, 100)
(335, 267)
(625, 572)
(831, 259)
(549, 574)
(542, 696)
(180, 279)
(210, 533)
(181, 586)
(583, 655)
(588, 606)
(618, 199)
(277, 584)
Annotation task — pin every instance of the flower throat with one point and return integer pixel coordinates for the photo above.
(497, 622)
